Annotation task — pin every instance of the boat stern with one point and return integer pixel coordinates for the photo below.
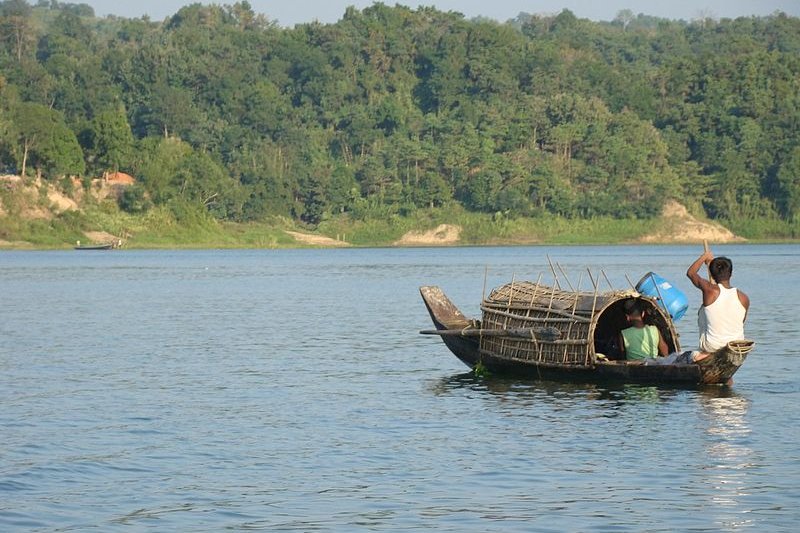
(446, 316)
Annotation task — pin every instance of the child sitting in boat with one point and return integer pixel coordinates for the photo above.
(640, 341)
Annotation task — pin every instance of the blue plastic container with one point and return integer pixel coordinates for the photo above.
(671, 298)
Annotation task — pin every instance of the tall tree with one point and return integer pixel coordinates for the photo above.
(44, 140)
(789, 181)
(16, 26)
(112, 140)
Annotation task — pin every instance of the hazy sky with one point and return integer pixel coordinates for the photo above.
(291, 12)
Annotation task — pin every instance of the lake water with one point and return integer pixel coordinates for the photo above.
(289, 390)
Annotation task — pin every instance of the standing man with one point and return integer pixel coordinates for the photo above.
(724, 310)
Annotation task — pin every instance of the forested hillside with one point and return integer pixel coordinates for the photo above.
(391, 110)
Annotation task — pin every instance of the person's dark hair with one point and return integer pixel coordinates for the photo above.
(632, 306)
(721, 269)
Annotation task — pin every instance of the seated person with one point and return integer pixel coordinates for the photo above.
(640, 341)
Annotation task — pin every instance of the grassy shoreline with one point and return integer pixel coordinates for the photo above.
(159, 229)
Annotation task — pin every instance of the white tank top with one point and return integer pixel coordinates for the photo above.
(722, 321)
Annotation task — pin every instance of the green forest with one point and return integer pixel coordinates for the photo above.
(392, 111)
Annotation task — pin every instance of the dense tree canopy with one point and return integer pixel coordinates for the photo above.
(393, 109)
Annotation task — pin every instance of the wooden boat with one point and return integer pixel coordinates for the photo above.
(99, 246)
(106, 246)
(533, 330)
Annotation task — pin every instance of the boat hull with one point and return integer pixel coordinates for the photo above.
(717, 368)
(96, 247)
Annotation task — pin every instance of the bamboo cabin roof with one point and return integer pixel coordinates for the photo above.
(522, 295)
(578, 324)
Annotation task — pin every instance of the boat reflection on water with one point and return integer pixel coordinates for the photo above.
(692, 448)
(727, 476)
(723, 408)
(614, 391)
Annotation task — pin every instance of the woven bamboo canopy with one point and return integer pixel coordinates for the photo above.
(583, 323)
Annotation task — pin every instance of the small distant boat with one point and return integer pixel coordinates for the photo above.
(100, 246)
(105, 246)
(533, 330)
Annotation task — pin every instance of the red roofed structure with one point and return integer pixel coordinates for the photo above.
(119, 178)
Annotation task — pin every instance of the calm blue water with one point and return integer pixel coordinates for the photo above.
(289, 390)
